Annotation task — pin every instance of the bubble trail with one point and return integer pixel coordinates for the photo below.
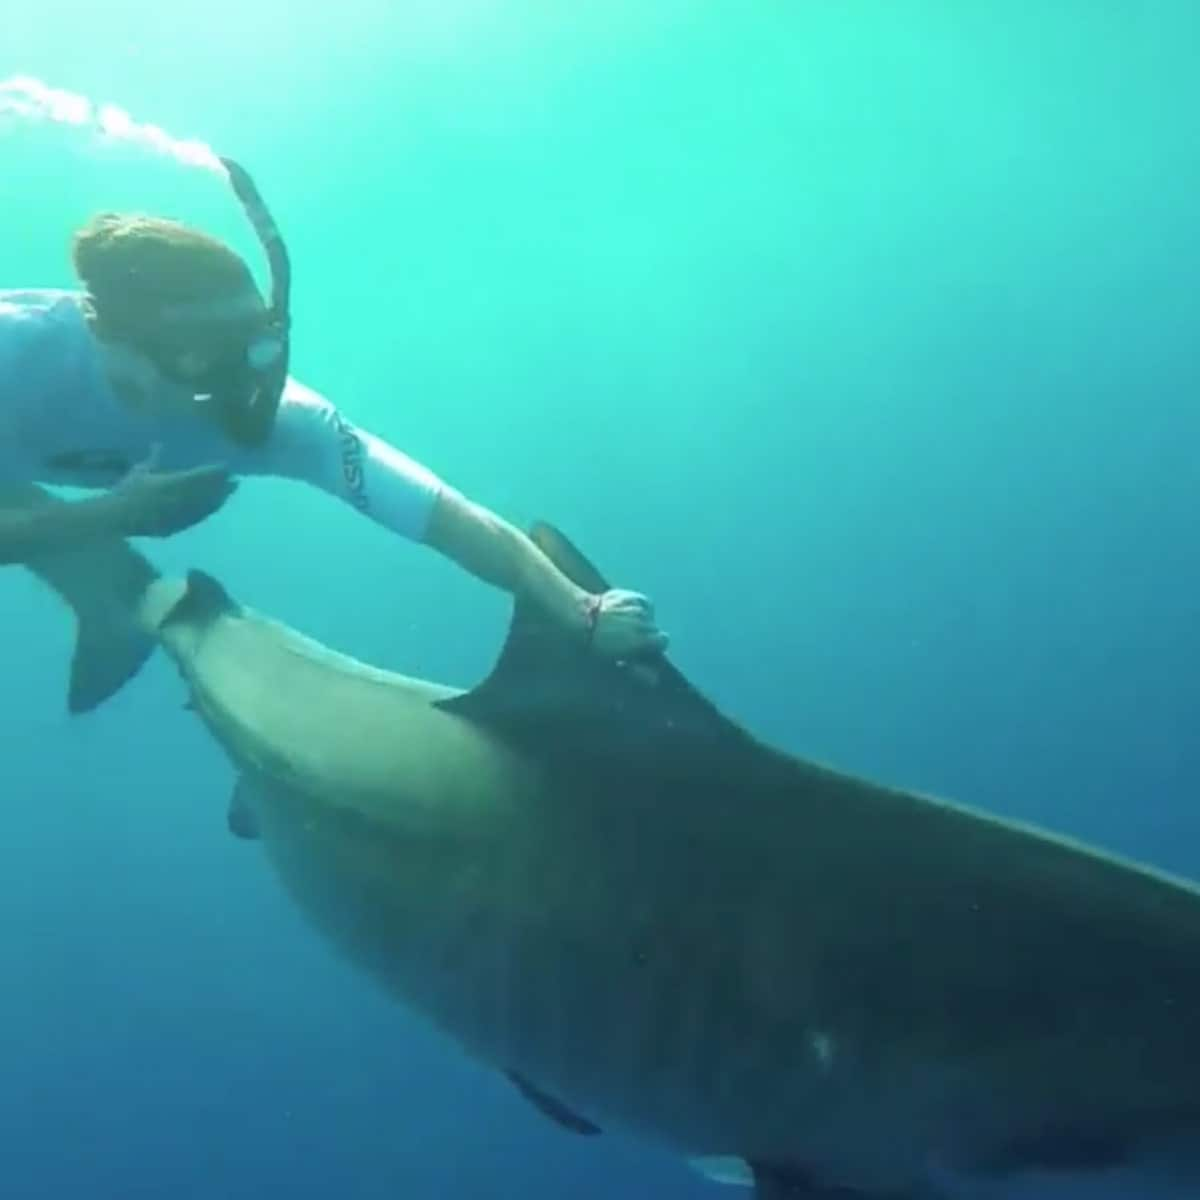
(28, 100)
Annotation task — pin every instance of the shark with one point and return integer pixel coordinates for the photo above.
(806, 983)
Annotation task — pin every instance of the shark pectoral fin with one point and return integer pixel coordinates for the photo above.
(240, 817)
(724, 1169)
(555, 1110)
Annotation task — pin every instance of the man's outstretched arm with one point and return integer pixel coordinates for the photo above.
(312, 441)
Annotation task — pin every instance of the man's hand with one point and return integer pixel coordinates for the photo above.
(149, 503)
(623, 626)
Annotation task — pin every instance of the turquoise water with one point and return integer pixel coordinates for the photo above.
(861, 336)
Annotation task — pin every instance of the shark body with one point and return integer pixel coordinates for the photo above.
(650, 920)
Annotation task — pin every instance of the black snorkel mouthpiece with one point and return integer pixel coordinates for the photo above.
(248, 411)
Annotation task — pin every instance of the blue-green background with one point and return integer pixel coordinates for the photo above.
(861, 335)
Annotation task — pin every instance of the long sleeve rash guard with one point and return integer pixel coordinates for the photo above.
(61, 423)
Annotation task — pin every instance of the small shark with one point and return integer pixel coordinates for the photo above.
(651, 921)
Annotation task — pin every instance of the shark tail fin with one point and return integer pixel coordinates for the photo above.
(103, 584)
(109, 651)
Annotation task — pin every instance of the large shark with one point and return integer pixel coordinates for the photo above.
(653, 922)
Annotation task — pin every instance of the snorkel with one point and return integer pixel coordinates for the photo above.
(245, 387)
(250, 416)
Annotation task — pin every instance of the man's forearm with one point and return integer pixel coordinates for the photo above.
(498, 553)
(28, 532)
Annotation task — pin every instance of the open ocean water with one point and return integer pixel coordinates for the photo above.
(861, 336)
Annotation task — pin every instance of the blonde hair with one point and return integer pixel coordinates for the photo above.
(134, 266)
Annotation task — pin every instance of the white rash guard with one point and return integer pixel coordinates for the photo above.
(61, 423)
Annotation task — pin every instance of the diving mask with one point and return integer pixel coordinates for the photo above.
(245, 384)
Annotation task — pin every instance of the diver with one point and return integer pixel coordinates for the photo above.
(166, 377)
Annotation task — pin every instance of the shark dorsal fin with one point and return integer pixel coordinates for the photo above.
(552, 688)
(204, 598)
(567, 557)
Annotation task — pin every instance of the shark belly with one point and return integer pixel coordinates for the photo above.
(511, 943)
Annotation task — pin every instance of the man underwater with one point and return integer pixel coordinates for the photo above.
(167, 376)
